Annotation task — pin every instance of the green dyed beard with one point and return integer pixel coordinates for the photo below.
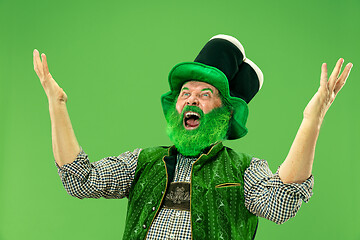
(213, 127)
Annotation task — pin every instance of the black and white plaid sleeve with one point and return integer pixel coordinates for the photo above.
(110, 177)
(267, 196)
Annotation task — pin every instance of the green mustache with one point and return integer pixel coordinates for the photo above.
(213, 128)
(196, 109)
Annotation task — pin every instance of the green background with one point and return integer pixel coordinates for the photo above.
(112, 59)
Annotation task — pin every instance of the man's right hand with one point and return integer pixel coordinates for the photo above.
(65, 145)
(54, 93)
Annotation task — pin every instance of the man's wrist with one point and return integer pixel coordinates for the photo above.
(313, 122)
(56, 102)
(56, 106)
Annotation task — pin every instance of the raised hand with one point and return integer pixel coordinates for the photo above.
(297, 166)
(329, 88)
(65, 145)
(53, 91)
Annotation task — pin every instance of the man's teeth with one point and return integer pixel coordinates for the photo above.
(188, 114)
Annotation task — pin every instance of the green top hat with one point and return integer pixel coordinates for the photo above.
(221, 63)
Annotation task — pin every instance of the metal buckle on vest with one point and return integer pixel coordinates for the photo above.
(178, 196)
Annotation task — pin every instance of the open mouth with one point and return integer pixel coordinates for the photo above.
(191, 120)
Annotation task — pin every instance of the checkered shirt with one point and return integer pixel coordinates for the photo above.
(172, 223)
(265, 194)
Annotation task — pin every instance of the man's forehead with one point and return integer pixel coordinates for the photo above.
(199, 85)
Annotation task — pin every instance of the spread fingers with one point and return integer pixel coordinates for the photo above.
(335, 73)
(342, 79)
(45, 65)
(37, 64)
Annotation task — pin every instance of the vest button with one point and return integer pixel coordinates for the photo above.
(144, 226)
(162, 193)
(153, 208)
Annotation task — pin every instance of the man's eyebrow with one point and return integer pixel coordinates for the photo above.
(207, 89)
(184, 88)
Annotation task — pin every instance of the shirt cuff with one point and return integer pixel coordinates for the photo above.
(80, 167)
(303, 190)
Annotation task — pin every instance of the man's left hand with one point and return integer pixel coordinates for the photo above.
(329, 88)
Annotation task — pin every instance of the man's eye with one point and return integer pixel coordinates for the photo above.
(206, 95)
(186, 94)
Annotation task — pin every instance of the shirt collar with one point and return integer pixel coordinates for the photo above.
(206, 153)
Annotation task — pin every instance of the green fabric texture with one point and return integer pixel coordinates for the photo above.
(216, 212)
(195, 71)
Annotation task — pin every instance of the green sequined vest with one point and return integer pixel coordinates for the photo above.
(217, 193)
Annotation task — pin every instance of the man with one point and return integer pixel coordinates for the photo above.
(197, 189)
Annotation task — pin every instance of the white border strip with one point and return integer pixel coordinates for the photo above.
(257, 70)
(233, 41)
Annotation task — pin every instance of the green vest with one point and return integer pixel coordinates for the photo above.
(216, 193)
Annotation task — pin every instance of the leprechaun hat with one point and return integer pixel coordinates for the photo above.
(223, 64)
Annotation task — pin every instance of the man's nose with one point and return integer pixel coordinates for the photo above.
(192, 101)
